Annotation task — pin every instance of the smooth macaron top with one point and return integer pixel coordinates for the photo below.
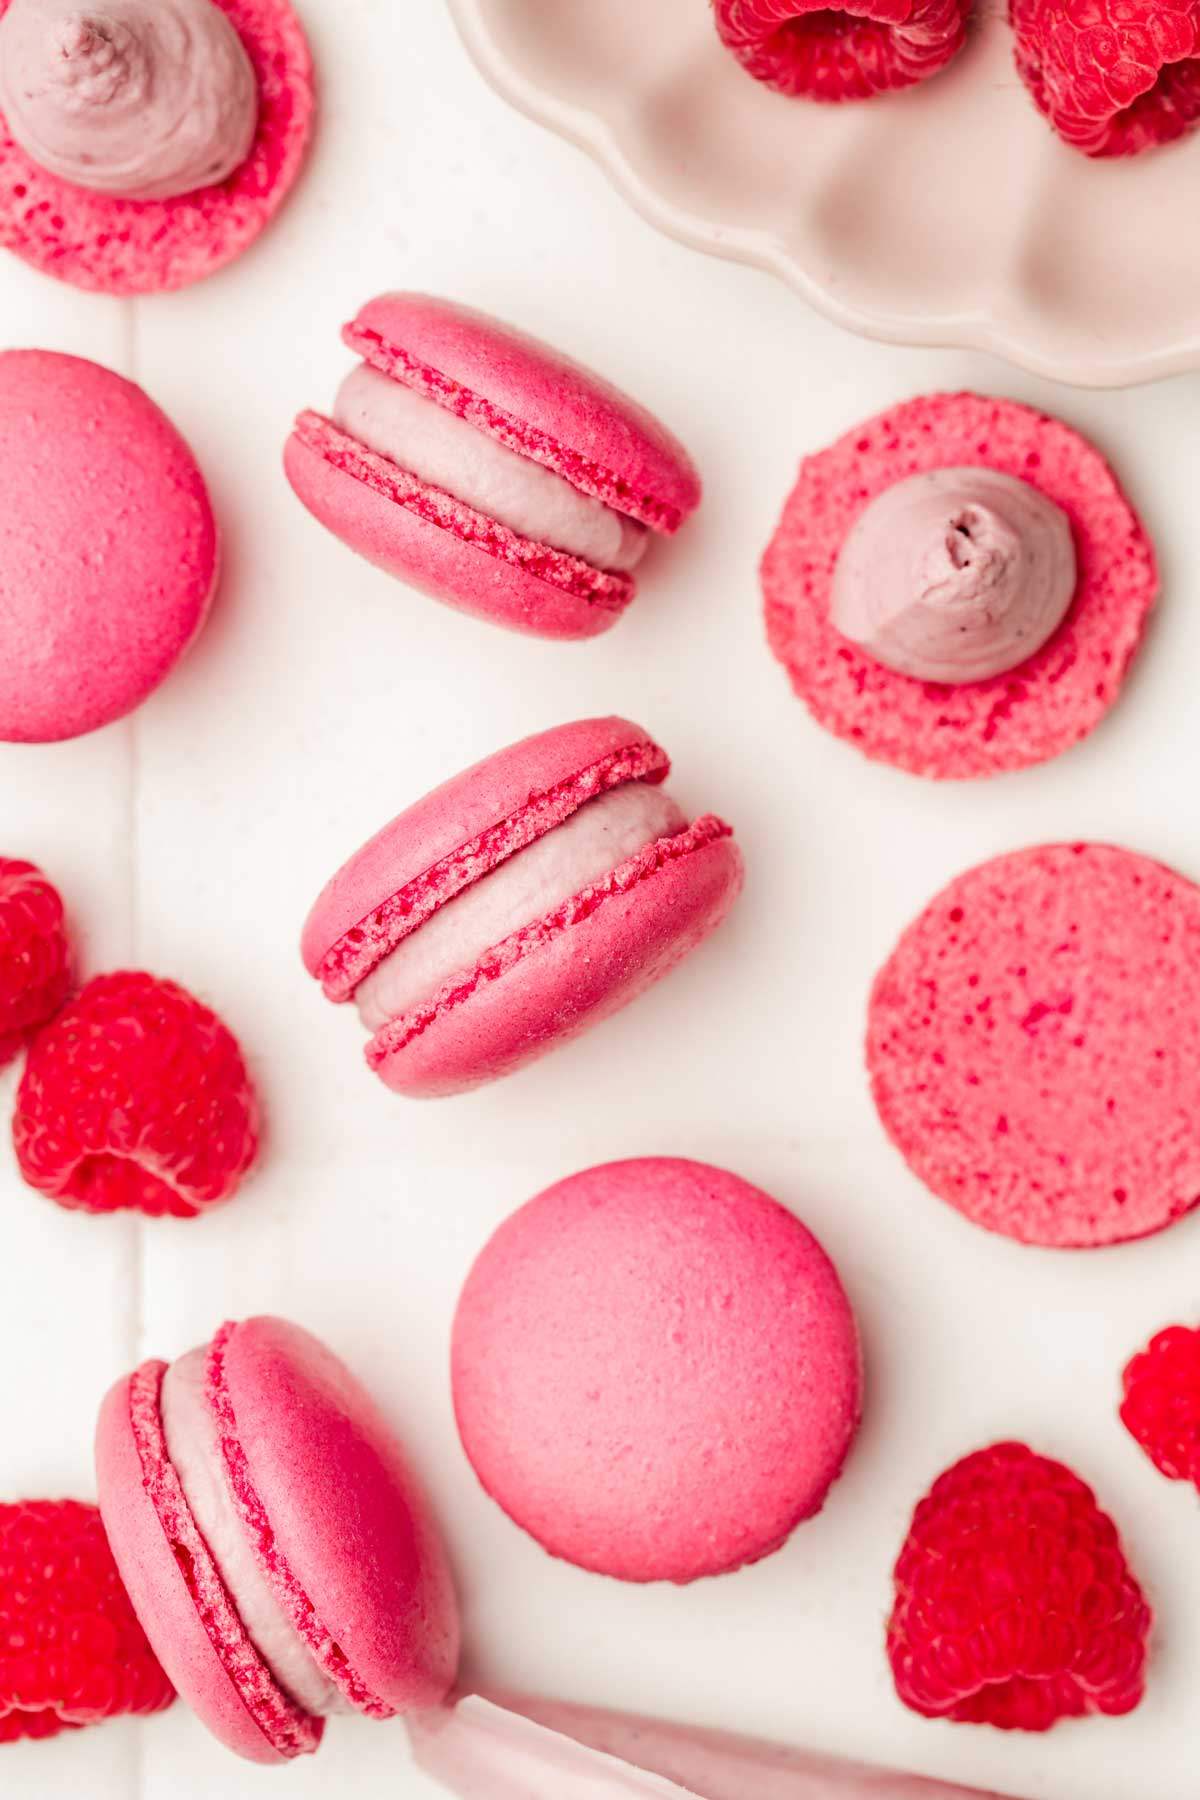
(656, 1370)
(108, 546)
(533, 399)
(459, 832)
(318, 1501)
(341, 1523)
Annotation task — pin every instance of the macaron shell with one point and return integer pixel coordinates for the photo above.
(1034, 1045)
(656, 1370)
(157, 1588)
(1032, 712)
(443, 548)
(536, 400)
(108, 546)
(344, 1512)
(575, 978)
(534, 784)
(151, 246)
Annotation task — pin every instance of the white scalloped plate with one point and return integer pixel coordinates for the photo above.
(947, 215)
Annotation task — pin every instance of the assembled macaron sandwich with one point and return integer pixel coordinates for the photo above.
(278, 1552)
(488, 470)
(518, 903)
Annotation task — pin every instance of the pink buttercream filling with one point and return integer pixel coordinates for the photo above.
(192, 1445)
(140, 99)
(439, 447)
(955, 575)
(289, 1730)
(294, 1602)
(593, 841)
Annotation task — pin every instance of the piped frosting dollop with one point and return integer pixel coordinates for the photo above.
(140, 99)
(955, 575)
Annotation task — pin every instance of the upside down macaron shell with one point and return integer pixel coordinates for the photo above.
(108, 547)
(656, 1370)
(592, 936)
(279, 1555)
(1009, 721)
(535, 404)
(1034, 1045)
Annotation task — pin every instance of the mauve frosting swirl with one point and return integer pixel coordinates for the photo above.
(141, 99)
(955, 575)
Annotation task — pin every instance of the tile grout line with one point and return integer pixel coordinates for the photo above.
(132, 889)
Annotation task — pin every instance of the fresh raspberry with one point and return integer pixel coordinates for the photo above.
(1014, 1603)
(34, 958)
(71, 1650)
(1162, 1402)
(842, 53)
(136, 1096)
(1112, 76)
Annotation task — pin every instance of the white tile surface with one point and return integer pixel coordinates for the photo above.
(323, 697)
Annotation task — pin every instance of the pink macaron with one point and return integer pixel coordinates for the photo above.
(656, 1370)
(518, 903)
(278, 1553)
(115, 245)
(488, 470)
(108, 546)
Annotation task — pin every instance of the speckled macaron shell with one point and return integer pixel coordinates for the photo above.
(1034, 1045)
(981, 728)
(656, 1371)
(340, 1530)
(108, 546)
(536, 402)
(114, 246)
